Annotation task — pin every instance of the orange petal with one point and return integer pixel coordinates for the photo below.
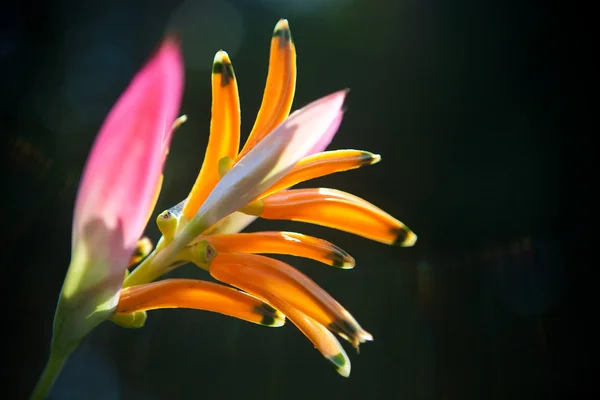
(279, 89)
(199, 295)
(290, 243)
(319, 335)
(224, 139)
(338, 210)
(322, 164)
(271, 279)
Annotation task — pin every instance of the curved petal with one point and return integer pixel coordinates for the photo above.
(279, 89)
(338, 210)
(289, 243)
(199, 295)
(319, 335)
(271, 279)
(224, 138)
(321, 164)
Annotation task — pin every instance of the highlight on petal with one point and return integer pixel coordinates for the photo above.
(324, 163)
(199, 295)
(289, 243)
(320, 337)
(271, 279)
(279, 89)
(268, 162)
(338, 210)
(224, 138)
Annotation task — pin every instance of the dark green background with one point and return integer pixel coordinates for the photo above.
(463, 99)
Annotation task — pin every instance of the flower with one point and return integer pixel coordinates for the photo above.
(117, 193)
(234, 187)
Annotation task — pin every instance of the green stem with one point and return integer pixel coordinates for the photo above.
(146, 272)
(55, 364)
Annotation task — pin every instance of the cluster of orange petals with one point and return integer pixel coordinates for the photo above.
(265, 290)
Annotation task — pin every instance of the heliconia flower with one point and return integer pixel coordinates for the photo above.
(235, 186)
(117, 193)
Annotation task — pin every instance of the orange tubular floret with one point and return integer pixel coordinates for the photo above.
(279, 89)
(199, 295)
(224, 139)
(289, 243)
(321, 164)
(338, 210)
(271, 279)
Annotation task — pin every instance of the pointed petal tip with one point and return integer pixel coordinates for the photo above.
(172, 39)
(340, 259)
(349, 330)
(411, 239)
(277, 322)
(341, 362)
(361, 337)
(343, 264)
(346, 92)
(282, 31)
(329, 104)
(170, 54)
(405, 237)
(221, 57)
(365, 336)
(271, 317)
(343, 94)
(281, 24)
(178, 122)
(170, 47)
(222, 65)
(368, 158)
(170, 50)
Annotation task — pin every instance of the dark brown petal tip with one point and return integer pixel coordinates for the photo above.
(404, 237)
(271, 317)
(222, 65)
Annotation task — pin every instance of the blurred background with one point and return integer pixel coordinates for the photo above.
(465, 102)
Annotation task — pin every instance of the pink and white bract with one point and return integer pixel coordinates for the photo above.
(118, 191)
